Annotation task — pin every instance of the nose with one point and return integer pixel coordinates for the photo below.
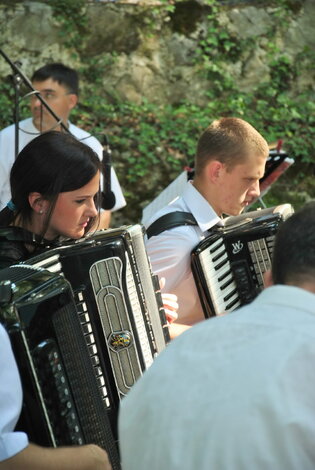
(254, 190)
(91, 210)
(35, 101)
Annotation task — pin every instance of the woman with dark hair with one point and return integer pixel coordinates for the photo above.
(54, 183)
(55, 193)
(55, 188)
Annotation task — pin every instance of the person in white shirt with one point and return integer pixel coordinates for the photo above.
(236, 391)
(230, 159)
(58, 85)
(16, 452)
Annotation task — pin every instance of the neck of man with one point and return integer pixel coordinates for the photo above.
(206, 191)
(306, 285)
(42, 127)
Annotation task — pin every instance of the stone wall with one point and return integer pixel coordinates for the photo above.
(155, 51)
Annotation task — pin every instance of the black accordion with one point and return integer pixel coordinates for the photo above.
(91, 322)
(228, 265)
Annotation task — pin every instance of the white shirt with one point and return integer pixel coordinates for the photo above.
(11, 442)
(235, 392)
(169, 252)
(27, 133)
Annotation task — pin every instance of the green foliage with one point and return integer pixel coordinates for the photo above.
(71, 14)
(218, 45)
(7, 99)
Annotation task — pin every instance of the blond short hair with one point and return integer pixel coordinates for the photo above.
(231, 141)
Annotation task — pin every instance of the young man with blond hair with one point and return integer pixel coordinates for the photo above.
(229, 162)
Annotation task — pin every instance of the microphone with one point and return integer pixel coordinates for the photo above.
(108, 197)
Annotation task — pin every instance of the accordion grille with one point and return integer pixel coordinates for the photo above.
(90, 408)
(106, 280)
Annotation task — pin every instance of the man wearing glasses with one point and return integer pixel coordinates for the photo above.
(58, 85)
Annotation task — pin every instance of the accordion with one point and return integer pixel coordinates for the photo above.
(229, 264)
(61, 400)
(116, 315)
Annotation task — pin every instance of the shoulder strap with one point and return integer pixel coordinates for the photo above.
(170, 220)
(18, 234)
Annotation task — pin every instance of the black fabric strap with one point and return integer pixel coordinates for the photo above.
(170, 220)
(18, 234)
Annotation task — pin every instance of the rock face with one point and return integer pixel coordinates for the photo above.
(158, 53)
(144, 50)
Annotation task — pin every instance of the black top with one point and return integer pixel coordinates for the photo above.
(17, 244)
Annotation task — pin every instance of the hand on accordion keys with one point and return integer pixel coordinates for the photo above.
(170, 303)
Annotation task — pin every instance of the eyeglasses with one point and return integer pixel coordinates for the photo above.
(47, 95)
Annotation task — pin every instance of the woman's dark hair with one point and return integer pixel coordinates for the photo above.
(52, 163)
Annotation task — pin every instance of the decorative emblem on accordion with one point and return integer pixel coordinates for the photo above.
(120, 340)
(237, 247)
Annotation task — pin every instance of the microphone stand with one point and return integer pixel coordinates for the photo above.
(17, 85)
(108, 197)
(18, 77)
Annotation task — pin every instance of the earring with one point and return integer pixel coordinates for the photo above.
(41, 211)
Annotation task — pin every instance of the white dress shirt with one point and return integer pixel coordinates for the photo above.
(235, 392)
(27, 133)
(11, 442)
(169, 252)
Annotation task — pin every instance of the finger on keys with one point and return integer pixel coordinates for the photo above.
(162, 282)
(171, 315)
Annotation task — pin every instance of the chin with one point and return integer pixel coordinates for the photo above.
(234, 212)
(79, 235)
(74, 235)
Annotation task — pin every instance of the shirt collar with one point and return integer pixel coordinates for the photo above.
(204, 214)
(34, 129)
(291, 296)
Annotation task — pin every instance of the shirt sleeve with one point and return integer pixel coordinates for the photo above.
(6, 161)
(115, 186)
(11, 442)
(169, 254)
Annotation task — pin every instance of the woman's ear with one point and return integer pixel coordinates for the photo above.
(268, 281)
(38, 203)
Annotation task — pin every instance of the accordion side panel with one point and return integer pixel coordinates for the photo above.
(106, 279)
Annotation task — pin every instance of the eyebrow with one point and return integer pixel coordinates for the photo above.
(85, 195)
(47, 90)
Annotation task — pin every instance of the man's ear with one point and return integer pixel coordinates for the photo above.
(38, 203)
(214, 170)
(268, 281)
(73, 99)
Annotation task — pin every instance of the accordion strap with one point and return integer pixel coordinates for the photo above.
(18, 234)
(170, 220)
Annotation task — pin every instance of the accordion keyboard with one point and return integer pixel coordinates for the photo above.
(229, 264)
(219, 277)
